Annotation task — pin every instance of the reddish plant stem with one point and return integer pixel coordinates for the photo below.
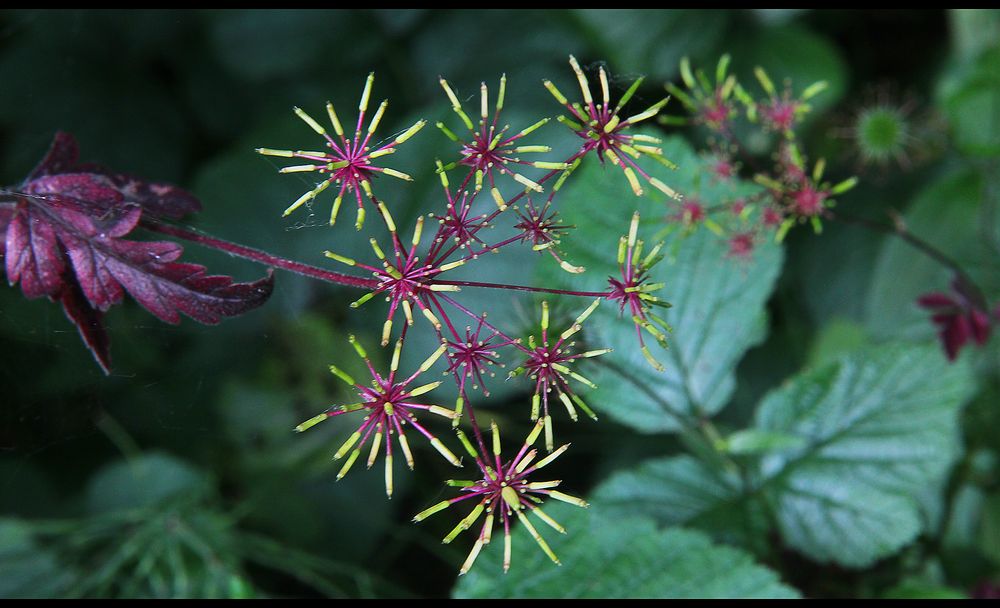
(741, 151)
(492, 216)
(259, 256)
(564, 292)
(476, 317)
(727, 206)
(468, 404)
(898, 229)
(326, 275)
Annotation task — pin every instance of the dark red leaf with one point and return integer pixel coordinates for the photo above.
(980, 323)
(6, 214)
(64, 239)
(954, 335)
(33, 256)
(958, 318)
(936, 300)
(70, 177)
(89, 322)
(160, 200)
(61, 158)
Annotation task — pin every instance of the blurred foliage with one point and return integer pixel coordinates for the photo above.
(634, 559)
(179, 475)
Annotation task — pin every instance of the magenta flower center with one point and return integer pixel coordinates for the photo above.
(809, 201)
(691, 212)
(723, 169)
(539, 365)
(715, 113)
(772, 217)
(741, 245)
(478, 154)
(780, 114)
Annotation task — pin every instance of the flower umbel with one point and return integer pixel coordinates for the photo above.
(403, 278)
(542, 229)
(388, 404)
(548, 365)
(473, 357)
(604, 131)
(780, 112)
(458, 223)
(800, 196)
(490, 147)
(503, 492)
(347, 162)
(634, 292)
(710, 105)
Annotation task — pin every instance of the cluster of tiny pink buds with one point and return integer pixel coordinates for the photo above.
(504, 491)
(741, 244)
(388, 405)
(347, 162)
(710, 105)
(781, 112)
(690, 212)
(792, 196)
(724, 168)
(632, 291)
(800, 197)
(604, 132)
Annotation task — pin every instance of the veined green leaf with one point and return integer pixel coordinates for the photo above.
(718, 308)
(604, 556)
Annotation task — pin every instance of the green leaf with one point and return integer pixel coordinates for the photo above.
(973, 30)
(718, 302)
(653, 41)
(28, 570)
(834, 287)
(923, 590)
(948, 214)
(755, 441)
(145, 481)
(682, 490)
(989, 531)
(973, 107)
(835, 338)
(880, 425)
(793, 52)
(609, 557)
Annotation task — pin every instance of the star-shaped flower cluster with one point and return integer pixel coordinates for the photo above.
(633, 291)
(549, 364)
(389, 407)
(606, 134)
(490, 148)
(504, 491)
(710, 104)
(346, 162)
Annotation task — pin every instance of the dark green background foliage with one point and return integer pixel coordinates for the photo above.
(853, 459)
